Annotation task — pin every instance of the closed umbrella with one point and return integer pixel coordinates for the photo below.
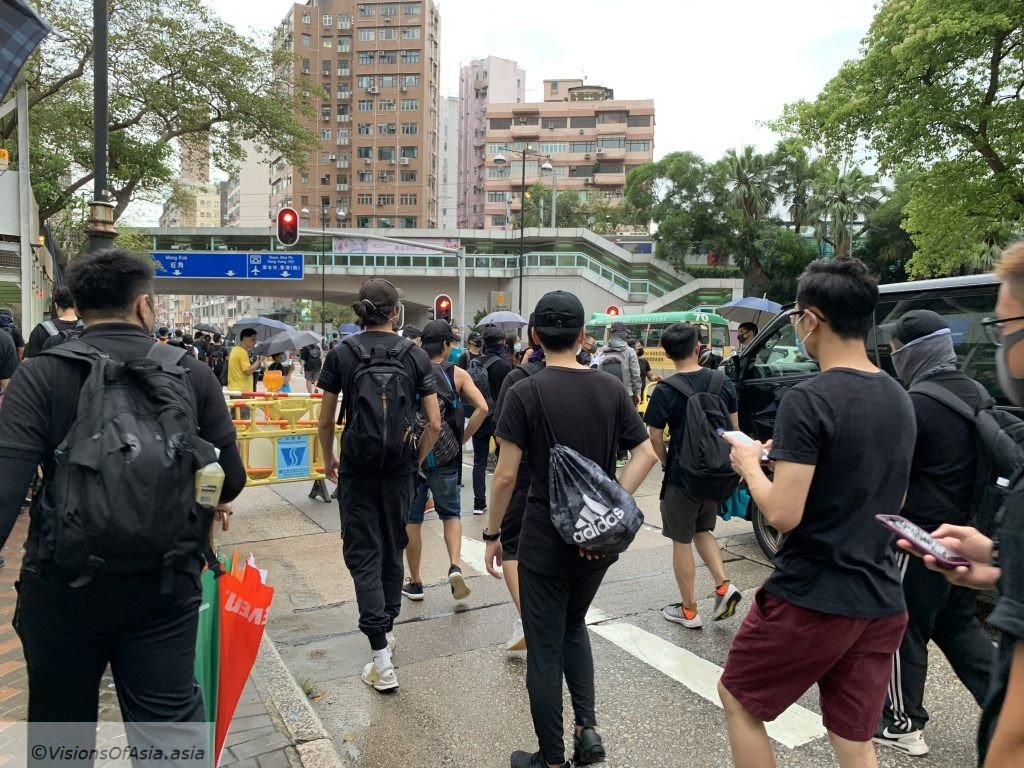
(264, 327)
(749, 309)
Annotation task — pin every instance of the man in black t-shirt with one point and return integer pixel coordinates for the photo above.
(374, 505)
(832, 612)
(591, 413)
(494, 364)
(65, 320)
(8, 360)
(8, 326)
(312, 358)
(686, 519)
(941, 488)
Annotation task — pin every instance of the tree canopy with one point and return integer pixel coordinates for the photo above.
(937, 91)
(177, 73)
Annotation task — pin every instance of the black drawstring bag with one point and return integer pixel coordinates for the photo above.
(588, 508)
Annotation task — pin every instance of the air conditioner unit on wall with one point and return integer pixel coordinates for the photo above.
(404, 161)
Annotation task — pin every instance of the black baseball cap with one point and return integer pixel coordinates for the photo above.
(915, 324)
(493, 334)
(618, 328)
(437, 330)
(412, 332)
(559, 309)
(473, 338)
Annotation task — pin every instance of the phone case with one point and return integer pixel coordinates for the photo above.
(922, 541)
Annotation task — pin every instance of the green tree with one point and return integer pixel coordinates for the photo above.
(886, 247)
(783, 255)
(178, 73)
(938, 88)
(841, 201)
(795, 174)
(335, 314)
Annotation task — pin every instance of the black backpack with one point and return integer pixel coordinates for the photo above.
(999, 448)
(60, 336)
(121, 496)
(704, 464)
(216, 354)
(380, 434)
(478, 371)
(449, 441)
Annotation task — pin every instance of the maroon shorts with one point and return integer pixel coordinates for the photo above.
(781, 650)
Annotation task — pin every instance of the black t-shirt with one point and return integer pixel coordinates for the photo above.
(40, 335)
(40, 407)
(942, 476)
(341, 364)
(667, 407)
(310, 363)
(1008, 616)
(645, 369)
(857, 429)
(496, 374)
(8, 356)
(591, 413)
(15, 333)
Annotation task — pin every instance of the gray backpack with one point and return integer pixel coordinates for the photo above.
(614, 361)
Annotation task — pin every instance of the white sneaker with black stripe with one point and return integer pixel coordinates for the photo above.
(909, 742)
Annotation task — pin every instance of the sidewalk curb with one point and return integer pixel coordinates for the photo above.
(301, 723)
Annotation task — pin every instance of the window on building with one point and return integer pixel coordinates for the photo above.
(307, 18)
(409, 175)
(385, 200)
(366, 11)
(388, 57)
(638, 121)
(499, 172)
(304, 176)
(365, 58)
(583, 122)
(344, 21)
(385, 153)
(305, 201)
(364, 152)
(499, 221)
(325, 113)
(385, 222)
(344, 45)
(582, 146)
(410, 33)
(343, 136)
(604, 118)
(410, 105)
(410, 81)
(495, 197)
(365, 105)
(407, 222)
(386, 129)
(386, 177)
(366, 34)
(410, 152)
(364, 222)
(365, 81)
(389, 9)
(364, 129)
(343, 109)
(611, 142)
(407, 199)
(387, 33)
(501, 123)
(609, 168)
(410, 129)
(526, 120)
(325, 134)
(553, 147)
(386, 105)
(410, 57)
(305, 66)
(307, 41)
(638, 145)
(388, 81)
(411, 9)
(344, 68)
(364, 198)
(364, 177)
(554, 87)
(554, 122)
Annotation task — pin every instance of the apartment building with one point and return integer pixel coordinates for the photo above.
(590, 138)
(246, 199)
(448, 167)
(378, 66)
(197, 204)
(481, 82)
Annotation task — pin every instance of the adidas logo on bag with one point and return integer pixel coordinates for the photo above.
(595, 518)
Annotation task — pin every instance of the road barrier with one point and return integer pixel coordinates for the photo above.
(278, 437)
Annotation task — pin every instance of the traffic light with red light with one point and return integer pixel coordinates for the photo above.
(287, 226)
(613, 311)
(443, 308)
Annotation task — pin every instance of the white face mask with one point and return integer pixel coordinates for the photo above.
(517, 347)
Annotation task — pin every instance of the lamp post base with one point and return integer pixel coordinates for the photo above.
(101, 231)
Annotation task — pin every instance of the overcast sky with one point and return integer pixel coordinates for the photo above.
(715, 68)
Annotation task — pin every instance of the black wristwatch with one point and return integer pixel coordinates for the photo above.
(491, 536)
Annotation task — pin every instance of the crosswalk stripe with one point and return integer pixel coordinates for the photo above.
(473, 554)
(794, 727)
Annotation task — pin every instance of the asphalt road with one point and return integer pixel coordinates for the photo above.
(463, 702)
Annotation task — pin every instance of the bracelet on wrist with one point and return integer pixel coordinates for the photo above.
(491, 536)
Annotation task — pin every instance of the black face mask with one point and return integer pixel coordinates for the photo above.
(639, 351)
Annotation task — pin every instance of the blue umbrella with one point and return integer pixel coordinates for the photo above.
(21, 30)
(348, 329)
(749, 310)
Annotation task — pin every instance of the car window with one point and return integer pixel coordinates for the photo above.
(780, 356)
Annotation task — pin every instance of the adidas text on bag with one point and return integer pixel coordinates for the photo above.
(704, 465)
(121, 497)
(381, 435)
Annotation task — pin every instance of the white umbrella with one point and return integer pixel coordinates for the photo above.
(748, 310)
(503, 319)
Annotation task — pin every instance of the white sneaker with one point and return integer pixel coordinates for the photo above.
(911, 743)
(380, 681)
(725, 605)
(679, 615)
(518, 640)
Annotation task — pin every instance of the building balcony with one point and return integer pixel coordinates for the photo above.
(611, 129)
(343, 164)
(525, 131)
(341, 187)
(344, 118)
(610, 179)
(605, 153)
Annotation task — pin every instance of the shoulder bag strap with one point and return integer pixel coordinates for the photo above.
(717, 381)
(552, 441)
(167, 356)
(680, 385)
(942, 395)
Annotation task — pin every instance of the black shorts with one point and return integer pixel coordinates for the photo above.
(683, 516)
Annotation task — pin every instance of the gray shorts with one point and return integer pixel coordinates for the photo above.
(682, 516)
(311, 375)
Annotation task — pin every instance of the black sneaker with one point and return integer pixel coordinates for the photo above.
(522, 759)
(460, 589)
(588, 746)
(413, 590)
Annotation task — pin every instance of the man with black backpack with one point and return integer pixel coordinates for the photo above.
(385, 380)
(618, 358)
(488, 371)
(216, 358)
(8, 326)
(66, 325)
(115, 544)
(694, 404)
(942, 484)
(440, 474)
(312, 361)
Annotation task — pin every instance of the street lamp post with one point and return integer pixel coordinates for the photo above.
(499, 160)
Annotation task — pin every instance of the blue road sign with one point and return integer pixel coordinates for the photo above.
(248, 266)
(293, 456)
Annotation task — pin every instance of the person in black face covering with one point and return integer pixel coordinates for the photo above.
(645, 368)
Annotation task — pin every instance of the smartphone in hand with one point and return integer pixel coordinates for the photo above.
(743, 438)
(923, 541)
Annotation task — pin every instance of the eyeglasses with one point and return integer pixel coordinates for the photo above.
(994, 328)
(796, 314)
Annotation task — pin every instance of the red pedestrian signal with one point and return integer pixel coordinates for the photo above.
(613, 311)
(287, 226)
(443, 308)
